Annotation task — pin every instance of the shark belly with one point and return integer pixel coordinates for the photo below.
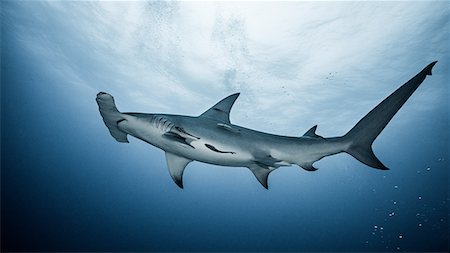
(213, 147)
(241, 148)
(209, 147)
(233, 145)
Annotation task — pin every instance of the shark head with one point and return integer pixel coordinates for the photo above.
(104, 97)
(111, 115)
(106, 101)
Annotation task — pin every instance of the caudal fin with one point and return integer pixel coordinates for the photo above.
(110, 115)
(363, 134)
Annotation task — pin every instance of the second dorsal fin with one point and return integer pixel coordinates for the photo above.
(312, 133)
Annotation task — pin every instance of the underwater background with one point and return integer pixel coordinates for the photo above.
(67, 185)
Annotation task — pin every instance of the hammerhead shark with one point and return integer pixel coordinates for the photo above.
(211, 138)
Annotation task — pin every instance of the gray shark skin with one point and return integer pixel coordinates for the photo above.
(211, 138)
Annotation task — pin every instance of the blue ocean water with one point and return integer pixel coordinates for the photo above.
(66, 185)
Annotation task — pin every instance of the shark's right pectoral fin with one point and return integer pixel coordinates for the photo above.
(176, 165)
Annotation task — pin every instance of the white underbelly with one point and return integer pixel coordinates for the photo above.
(218, 154)
(202, 149)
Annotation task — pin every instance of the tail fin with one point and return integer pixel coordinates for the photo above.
(111, 115)
(363, 134)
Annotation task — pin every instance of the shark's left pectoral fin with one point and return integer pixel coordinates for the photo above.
(261, 173)
(176, 166)
(221, 110)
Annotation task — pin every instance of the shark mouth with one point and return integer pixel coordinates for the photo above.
(218, 151)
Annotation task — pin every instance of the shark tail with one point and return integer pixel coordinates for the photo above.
(364, 133)
(111, 116)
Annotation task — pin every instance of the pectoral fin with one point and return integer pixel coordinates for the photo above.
(176, 166)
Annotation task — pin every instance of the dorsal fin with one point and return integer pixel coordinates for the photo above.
(221, 110)
(312, 132)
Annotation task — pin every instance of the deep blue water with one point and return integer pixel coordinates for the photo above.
(66, 185)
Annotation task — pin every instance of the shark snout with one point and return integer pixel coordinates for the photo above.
(104, 96)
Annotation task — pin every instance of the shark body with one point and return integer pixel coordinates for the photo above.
(211, 138)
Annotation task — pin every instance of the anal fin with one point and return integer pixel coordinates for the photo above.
(308, 166)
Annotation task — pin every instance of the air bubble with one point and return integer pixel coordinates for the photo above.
(400, 236)
(420, 197)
